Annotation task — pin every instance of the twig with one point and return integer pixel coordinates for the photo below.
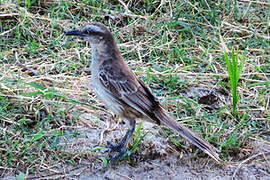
(3, 33)
(257, 2)
(160, 5)
(245, 12)
(238, 28)
(4, 119)
(125, 6)
(8, 15)
(87, 122)
(116, 12)
(198, 74)
(108, 128)
(124, 176)
(51, 101)
(246, 160)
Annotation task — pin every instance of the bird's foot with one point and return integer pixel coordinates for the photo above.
(123, 152)
(118, 156)
(118, 147)
(113, 147)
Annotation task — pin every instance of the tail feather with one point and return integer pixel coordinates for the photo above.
(188, 134)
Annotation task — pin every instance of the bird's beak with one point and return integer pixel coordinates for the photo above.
(74, 33)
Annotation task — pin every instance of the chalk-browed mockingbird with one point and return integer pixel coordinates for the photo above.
(123, 92)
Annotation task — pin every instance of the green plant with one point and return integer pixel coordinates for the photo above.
(234, 71)
(138, 138)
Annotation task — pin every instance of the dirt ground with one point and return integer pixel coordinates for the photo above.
(155, 158)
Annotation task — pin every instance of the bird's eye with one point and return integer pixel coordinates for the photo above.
(88, 31)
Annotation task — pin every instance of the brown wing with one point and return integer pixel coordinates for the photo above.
(122, 83)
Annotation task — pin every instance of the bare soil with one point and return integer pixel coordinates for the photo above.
(156, 158)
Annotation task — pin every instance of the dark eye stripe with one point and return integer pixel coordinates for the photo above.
(91, 32)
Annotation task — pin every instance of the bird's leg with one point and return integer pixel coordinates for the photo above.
(121, 147)
(123, 142)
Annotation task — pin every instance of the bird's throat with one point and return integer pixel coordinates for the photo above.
(103, 51)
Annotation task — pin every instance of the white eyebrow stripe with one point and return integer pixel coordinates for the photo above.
(96, 29)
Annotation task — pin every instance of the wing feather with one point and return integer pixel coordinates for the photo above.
(123, 84)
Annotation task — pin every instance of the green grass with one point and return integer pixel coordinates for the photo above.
(234, 71)
(138, 138)
(171, 46)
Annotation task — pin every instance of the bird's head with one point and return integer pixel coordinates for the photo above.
(93, 32)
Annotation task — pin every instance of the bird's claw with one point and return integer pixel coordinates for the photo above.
(113, 148)
(118, 156)
(118, 147)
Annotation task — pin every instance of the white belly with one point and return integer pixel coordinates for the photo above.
(106, 97)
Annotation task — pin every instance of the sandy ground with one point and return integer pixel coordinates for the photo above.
(155, 159)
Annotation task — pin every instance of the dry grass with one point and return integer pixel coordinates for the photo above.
(172, 46)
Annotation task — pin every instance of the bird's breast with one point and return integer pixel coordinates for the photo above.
(103, 94)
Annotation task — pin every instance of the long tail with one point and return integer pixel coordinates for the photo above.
(188, 134)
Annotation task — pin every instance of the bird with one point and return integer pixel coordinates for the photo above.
(126, 95)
